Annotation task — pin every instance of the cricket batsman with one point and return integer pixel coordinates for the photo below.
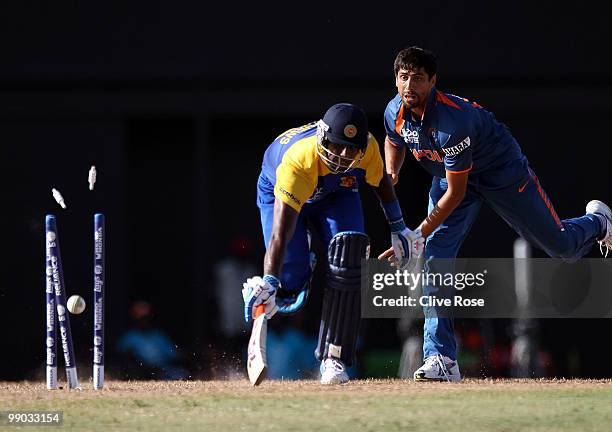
(473, 159)
(310, 181)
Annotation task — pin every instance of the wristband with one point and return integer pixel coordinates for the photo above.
(272, 280)
(397, 226)
(392, 210)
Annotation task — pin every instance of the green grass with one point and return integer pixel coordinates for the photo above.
(379, 405)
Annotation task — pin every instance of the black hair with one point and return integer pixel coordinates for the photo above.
(414, 58)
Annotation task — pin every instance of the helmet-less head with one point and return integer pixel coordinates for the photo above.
(342, 137)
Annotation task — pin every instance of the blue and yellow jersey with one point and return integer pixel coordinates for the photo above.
(454, 134)
(292, 165)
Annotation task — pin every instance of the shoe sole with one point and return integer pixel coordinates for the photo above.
(429, 380)
(423, 379)
(334, 383)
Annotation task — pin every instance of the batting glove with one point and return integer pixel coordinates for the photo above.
(408, 247)
(257, 291)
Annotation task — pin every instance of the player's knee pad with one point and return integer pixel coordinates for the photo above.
(341, 312)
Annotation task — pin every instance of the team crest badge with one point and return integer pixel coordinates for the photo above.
(348, 181)
(350, 131)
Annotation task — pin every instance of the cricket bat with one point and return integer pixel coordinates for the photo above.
(257, 363)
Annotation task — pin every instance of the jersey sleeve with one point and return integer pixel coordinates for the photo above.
(294, 184)
(458, 154)
(390, 126)
(372, 162)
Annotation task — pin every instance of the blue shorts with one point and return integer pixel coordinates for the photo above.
(336, 212)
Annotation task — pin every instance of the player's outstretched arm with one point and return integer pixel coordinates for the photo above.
(262, 290)
(394, 159)
(457, 185)
(406, 245)
(385, 190)
(283, 227)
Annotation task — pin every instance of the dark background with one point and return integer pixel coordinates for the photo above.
(175, 104)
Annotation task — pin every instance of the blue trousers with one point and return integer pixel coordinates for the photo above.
(336, 212)
(520, 200)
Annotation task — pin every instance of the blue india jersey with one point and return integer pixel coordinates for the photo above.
(453, 134)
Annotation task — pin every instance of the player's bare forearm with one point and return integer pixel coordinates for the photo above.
(385, 191)
(438, 215)
(394, 159)
(457, 185)
(283, 227)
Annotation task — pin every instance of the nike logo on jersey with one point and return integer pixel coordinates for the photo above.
(522, 188)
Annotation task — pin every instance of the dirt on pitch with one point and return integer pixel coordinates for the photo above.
(20, 391)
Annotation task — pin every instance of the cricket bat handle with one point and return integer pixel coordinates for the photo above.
(259, 310)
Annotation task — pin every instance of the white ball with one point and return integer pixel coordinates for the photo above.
(76, 304)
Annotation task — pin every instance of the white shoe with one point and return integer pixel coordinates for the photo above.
(333, 372)
(605, 214)
(438, 368)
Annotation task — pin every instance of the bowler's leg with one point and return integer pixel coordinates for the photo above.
(526, 208)
(439, 336)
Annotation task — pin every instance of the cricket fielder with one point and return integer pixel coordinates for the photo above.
(473, 159)
(310, 180)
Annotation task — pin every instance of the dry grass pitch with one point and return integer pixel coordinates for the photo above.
(367, 405)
